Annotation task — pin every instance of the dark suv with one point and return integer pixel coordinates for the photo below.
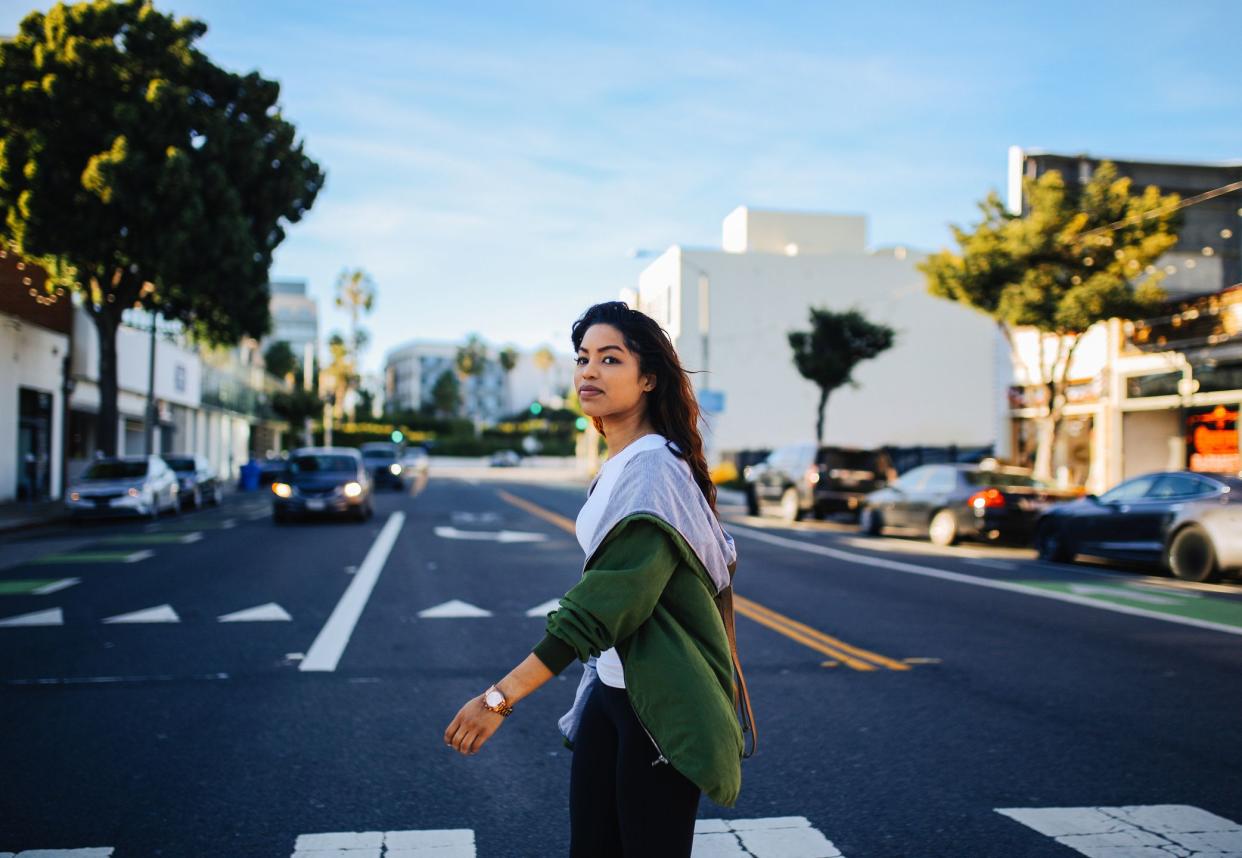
(800, 478)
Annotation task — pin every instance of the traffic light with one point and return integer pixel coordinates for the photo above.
(535, 408)
(397, 436)
(581, 424)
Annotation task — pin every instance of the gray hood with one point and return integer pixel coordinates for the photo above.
(661, 483)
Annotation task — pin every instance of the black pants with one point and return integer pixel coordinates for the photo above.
(620, 805)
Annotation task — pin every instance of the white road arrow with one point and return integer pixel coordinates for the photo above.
(489, 535)
(544, 609)
(158, 614)
(454, 608)
(50, 617)
(1122, 593)
(271, 612)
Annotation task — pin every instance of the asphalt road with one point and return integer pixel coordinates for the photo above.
(911, 701)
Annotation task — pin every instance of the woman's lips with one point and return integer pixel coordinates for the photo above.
(588, 392)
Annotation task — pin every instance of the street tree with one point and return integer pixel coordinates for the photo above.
(341, 373)
(280, 360)
(138, 173)
(446, 395)
(355, 292)
(1076, 257)
(543, 359)
(508, 359)
(828, 353)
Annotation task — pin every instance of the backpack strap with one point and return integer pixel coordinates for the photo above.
(741, 696)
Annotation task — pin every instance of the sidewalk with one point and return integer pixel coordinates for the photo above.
(20, 515)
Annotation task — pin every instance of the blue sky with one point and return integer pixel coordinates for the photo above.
(492, 164)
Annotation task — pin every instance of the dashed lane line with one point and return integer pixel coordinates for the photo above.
(154, 538)
(36, 586)
(325, 653)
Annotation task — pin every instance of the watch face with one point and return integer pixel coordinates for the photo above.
(494, 698)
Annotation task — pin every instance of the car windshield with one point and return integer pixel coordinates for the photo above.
(116, 470)
(180, 464)
(379, 453)
(849, 460)
(1004, 480)
(322, 463)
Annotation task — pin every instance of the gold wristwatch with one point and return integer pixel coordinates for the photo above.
(494, 701)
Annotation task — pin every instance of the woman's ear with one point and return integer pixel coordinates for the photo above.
(649, 383)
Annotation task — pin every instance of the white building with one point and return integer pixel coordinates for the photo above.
(295, 318)
(34, 345)
(729, 312)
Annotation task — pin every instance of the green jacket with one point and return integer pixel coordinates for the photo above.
(645, 592)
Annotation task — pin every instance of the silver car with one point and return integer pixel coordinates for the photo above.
(1205, 537)
(124, 485)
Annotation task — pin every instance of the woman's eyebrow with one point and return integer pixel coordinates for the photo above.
(601, 348)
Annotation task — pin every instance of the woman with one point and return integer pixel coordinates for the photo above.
(653, 723)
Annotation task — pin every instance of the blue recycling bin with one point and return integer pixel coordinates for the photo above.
(249, 481)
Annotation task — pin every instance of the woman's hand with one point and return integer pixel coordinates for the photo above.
(473, 726)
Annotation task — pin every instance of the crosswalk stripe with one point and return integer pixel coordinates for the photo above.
(442, 843)
(544, 609)
(1134, 831)
(784, 836)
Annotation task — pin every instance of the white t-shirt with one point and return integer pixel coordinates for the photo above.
(609, 664)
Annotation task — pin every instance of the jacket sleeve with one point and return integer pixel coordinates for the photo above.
(617, 593)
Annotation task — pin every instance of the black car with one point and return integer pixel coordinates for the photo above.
(330, 480)
(1130, 521)
(197, 480)
(955, 501)
(383, 461)
(801, 478)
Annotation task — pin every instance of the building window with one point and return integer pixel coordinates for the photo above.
(1217, 377)
(1158, 384)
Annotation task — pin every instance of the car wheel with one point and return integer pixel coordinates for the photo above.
(791, 509)
(752, 501)
(1191, 556)
(871, 522)
(1050, 545)
(943, 528)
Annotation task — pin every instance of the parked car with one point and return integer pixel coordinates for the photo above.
(414, 461)
(330, 480)
(197, 482)
(505, 459)
(383, 464)
(801, 478)
(124, 485)
(1191, 523)
(960, 501)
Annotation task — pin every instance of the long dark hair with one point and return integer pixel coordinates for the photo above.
(672, 406)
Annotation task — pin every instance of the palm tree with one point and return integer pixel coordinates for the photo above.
(544, 359)
(508, 358)
(355, 291)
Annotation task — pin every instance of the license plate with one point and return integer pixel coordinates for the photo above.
(314, 504)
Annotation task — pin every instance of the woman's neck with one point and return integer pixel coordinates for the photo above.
(624, 432)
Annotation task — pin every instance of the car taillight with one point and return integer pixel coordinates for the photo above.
(812, 475)
(986, 499)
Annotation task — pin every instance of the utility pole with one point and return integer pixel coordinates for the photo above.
(149, 423)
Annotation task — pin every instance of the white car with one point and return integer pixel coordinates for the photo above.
(1205, 537)
(415, 460)
(125, 485)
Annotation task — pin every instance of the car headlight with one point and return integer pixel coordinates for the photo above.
(394, 469)
(282, 490)
(352, 490)
(74, 496)
(133, 493)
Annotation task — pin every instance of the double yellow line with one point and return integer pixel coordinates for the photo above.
(847, 654)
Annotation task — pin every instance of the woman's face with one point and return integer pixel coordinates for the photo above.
(607, 377)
